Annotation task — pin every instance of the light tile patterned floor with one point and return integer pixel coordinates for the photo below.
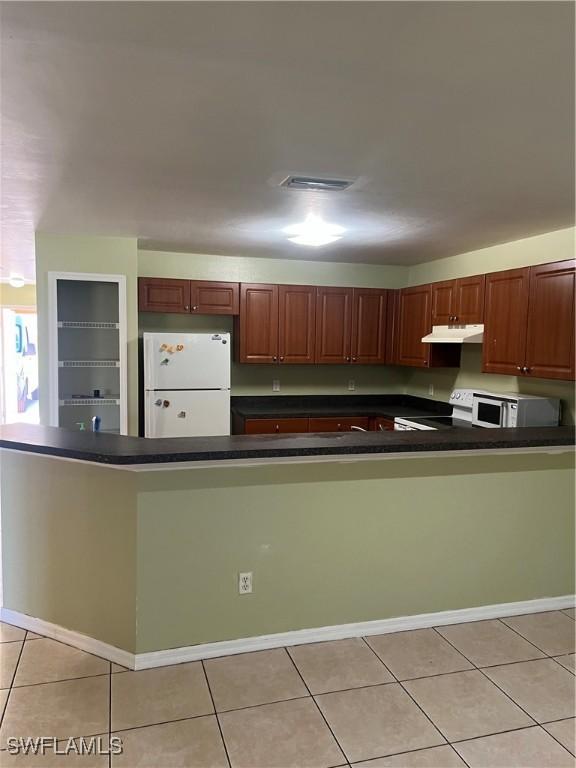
(487, 694)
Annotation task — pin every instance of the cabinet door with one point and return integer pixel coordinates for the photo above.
(274, 426)
(158, 294)
(369, 325)
(335, 424)
(415, 322)
(505, 319)
(469, 299)
(214, 298)
(296, 324)
(258, 323)
(382, 424)
(443, 302)
(550, 340)
(333, 325)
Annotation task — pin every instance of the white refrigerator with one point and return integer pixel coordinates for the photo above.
(186, 384)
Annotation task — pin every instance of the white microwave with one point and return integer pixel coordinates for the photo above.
(510, 410)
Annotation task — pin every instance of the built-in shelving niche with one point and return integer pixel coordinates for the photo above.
(89, 370)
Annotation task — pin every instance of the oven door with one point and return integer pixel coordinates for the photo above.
(488, 412)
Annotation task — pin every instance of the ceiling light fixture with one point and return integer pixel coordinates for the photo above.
(16, 281)
(313, 231)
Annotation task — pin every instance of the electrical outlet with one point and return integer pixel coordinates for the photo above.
(351, 385)
(275, 385)
(245, 583)
(430, 389)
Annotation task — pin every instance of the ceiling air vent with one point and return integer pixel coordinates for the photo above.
(313, 184)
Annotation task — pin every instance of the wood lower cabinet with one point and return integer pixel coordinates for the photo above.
(296, 324)
(338, 424)
(257, 334)
(333, 325)
(368, 344)
(158, 294)
(275, 426)
(505, 321)
(550, 337)
(381, 424)
(458, 301)
(203, 297)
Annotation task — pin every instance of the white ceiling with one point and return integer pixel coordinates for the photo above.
(168, 121)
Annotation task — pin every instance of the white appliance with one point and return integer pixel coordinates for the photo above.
(512, 410)
(186, 384)
(455, 334)
(477, 408)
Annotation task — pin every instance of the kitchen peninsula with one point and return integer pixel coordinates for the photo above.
(131, 548)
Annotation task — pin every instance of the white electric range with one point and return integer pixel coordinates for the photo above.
(461, 417)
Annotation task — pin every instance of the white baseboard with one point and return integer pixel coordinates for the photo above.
(68, 636)
(297, 637)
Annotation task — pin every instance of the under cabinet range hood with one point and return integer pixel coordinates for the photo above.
(455, 334)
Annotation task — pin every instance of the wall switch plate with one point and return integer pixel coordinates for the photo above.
(275, 385)
(351, 385)
(430, 389)
(245, 583)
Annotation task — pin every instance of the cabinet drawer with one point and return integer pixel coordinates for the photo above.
(342, 424)
(274, 426)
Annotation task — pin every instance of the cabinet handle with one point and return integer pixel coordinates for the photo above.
(519, 368)
(353, 359)
(275, 359)
(277, 428)
(347, 359)
(194, 309)
(186, 306)
(339, 426)
(281, 358)
(526, 369)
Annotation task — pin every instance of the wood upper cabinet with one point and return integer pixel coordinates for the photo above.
(369, 307)
(258, 324)
(158, 294)
(203, 297)
(333, 325)
(469, 301)
(505, 321)
(443, 302)
(296, 323)
(458, 301)
(214, 298)
(550, 337)
(415, 321)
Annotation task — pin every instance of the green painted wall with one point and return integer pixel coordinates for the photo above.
(69, 545)
(107, 255)
(150, 560)
(337, 543)
(551, 246)
(245, 269)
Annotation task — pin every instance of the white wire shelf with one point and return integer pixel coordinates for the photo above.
(89, 401)
(88, 324)
(88, 364)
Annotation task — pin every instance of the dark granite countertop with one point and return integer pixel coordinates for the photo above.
(293, 406)
(123, 450)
